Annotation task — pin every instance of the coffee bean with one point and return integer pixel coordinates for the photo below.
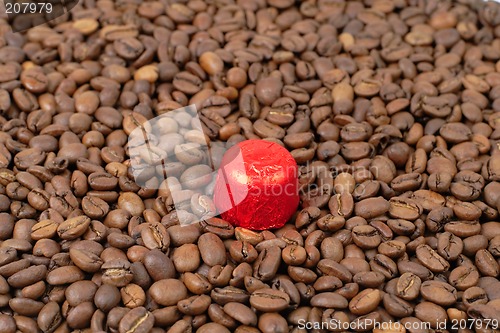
(158, 265)
(265, 129)
(44, 229)
(186, 258)
(113, 32)
(404, 208)
(27, 276)
(369, 279)
(438, 292)
(396, 306)
(155, 236)
(137, 320)
(371, 207)
(269, 300)
(212, 249)
(73, 228)
(94, 207)
(228, 294)
(486, 264)
(241, 313)
(392, 248)
(133, 296)
(408, 286)
(187, 83)
(449, 246)
(267, 263)
(407, 182)
(473, 296)
(341, 204)
(430, 312)
(455, 132)
(49, 317)
(431, 259)
(107, 297)
(366, 236)
(117, 272)
(330, 267)
(463, 277)
(179, 291)
(365, 302)
(10, 72)
(212, 328)
(463, 228)
(249, 106)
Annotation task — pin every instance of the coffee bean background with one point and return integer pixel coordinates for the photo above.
(391, 108)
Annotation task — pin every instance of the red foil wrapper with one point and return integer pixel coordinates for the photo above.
(257, 185)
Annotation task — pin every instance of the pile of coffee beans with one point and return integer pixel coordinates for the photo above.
(391, 108)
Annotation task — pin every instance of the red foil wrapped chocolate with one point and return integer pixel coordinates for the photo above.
(257, 185)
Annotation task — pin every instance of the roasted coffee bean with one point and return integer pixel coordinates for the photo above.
(463, 228)
(473, 296)
(431, 313)
(464, 277)
(219, 227)
(404, 208)
(329, 300)
(178, 293)
(187, 83)
(369, 279)
(244, 252)
(392, 248)
(396, 306)
(212, 327)
(44, 229)
(241, 313)
(366, 237)
(415, 268)
(137, 320)
(330, 267)
(365, 302)
(371, 207)
(486, 263)
(228, 294)
(431, 259)
(438, 292)
(64, 275)
(449, 246)
(133, 296)
(107, 297)
(341, 205)
(155, 236)
(73, 228)
(94, 207)
(117, 272)
(49, 317)
(195, 305)
(269, 300)
(27, 276)
(25, 306)
(212, 249)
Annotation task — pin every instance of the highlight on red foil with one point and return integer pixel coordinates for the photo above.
(172, 153)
